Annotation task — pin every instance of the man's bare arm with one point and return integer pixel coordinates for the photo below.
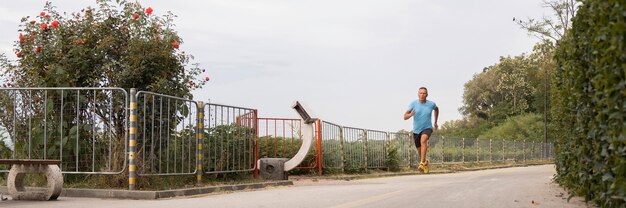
(436, 117)
(408, 114)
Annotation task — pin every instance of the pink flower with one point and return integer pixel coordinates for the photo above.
(175, 44)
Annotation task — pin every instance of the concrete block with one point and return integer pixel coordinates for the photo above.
(273, 168)
(15, 182)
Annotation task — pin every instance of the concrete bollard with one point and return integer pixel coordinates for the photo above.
(15, 182)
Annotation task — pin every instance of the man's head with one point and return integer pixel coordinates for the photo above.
(422, 94)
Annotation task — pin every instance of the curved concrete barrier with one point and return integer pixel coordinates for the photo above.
(307, 140)
(307, 137)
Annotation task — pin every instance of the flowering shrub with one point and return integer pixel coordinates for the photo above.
(115, 45)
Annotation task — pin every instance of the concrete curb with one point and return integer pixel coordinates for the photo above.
(126, 194)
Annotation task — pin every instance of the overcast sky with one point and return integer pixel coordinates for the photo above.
(356, 63)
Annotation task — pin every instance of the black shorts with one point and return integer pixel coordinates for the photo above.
(416, 137)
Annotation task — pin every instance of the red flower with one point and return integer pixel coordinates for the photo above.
(21, 39)
(175, 44)
(55, 24)
(206, 78)
(38, 49)
(149, 10)
(33, 22)
(44, 26)
(19, 54)
(42, 14)
(136, 15)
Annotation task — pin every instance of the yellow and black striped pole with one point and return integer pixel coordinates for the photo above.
(200, 135)
(132, 142)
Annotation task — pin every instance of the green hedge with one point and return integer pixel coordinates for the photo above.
(589, 104)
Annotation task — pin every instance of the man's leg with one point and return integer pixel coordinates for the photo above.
(419, 152)
(424, 147)
(418, 145)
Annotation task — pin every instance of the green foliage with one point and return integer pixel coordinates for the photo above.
(468, 127)
(590, 102)
(104, 47)
(331, 156)
(287, 147)
(502, 90)
(514, 86)
(354, 157)
(520, 128)
(392, 159)
(229, 147)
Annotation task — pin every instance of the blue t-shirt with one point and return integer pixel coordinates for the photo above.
(423, 115)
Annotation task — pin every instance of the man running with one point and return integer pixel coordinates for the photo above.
(421, 111)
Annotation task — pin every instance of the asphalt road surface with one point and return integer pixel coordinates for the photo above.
(509, 187)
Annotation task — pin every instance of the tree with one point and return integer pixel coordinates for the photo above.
(550, 30)
(480, 94)
(515, 83)
(553, 28)
(502, 90)
(116, 45)
(113, 46)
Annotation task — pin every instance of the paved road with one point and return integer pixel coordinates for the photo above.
(509, 187)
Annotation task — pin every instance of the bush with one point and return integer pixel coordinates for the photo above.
(589, 104)
(392, 160)
(519, 128)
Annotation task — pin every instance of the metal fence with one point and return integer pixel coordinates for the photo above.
(376, 146)
(403, 142)
(353, 149)
(166, 134)
(94, 131)
(85, 128)
(230, 138)
(332, 146)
